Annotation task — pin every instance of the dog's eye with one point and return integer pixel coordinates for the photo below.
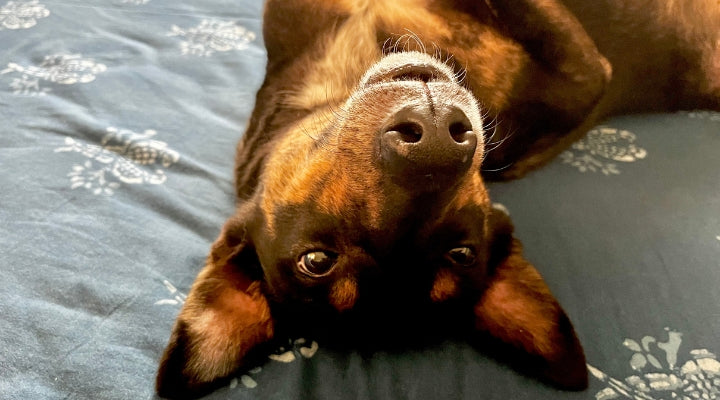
(317, 263)
(463, 256)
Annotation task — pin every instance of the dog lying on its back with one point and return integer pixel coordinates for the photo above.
(359, 178)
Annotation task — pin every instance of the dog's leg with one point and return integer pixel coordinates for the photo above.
(564, 82)
(518, 308)
(554, 36)
(224, 317)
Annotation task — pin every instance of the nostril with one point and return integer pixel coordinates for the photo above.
(460, 131)
(408, 132)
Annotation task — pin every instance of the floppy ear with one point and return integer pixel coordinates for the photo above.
(518, 308)
(224, 317)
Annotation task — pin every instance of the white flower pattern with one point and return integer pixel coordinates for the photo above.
(21, 14)
(176, 296)
(123, 157)
(697, 378)
(63, 69)
(713, 116)
(602, 145)
(212, 35)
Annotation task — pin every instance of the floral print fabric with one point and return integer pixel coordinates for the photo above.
(119, 122)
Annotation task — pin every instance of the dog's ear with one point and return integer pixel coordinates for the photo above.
(224, 317)
(518, 308)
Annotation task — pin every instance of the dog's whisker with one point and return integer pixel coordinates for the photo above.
(386, 47)
(492, 144)
(333, 120)
(395, 44)
(503, 168)
(461, 75)
(412, 35)
(497, 144)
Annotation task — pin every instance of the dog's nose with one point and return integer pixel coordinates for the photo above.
(428, 144)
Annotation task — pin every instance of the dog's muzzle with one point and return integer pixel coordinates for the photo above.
(431, 132)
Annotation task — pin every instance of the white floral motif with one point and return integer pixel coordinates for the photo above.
(713, 116)
(246, 379)
(64, 69)
(21, 15)
(600, 146)
(296, 346)
(177, 297)
(698, 378)
(212, 35)
(283, 354)
(123, 157)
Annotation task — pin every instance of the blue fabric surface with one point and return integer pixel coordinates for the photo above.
(118, 123)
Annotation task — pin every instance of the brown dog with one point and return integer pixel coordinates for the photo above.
(359, 178)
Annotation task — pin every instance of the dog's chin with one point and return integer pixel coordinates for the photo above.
(411, 65)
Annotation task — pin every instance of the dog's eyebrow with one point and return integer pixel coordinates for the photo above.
(303, 223)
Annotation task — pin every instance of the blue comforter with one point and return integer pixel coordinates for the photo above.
(118, 121)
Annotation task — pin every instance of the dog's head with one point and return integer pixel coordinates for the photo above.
(386, 188)
(375, 206)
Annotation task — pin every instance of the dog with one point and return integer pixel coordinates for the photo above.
(360, 179)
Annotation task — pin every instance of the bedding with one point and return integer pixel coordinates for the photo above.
(119, 122)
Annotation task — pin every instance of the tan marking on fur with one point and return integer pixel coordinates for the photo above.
(293, 166)
(346, 191)
(334, 194)
(343, 294)
(299, 171)
(445, 286)
(224, 331)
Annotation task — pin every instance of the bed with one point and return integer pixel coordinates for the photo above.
(119, 120)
